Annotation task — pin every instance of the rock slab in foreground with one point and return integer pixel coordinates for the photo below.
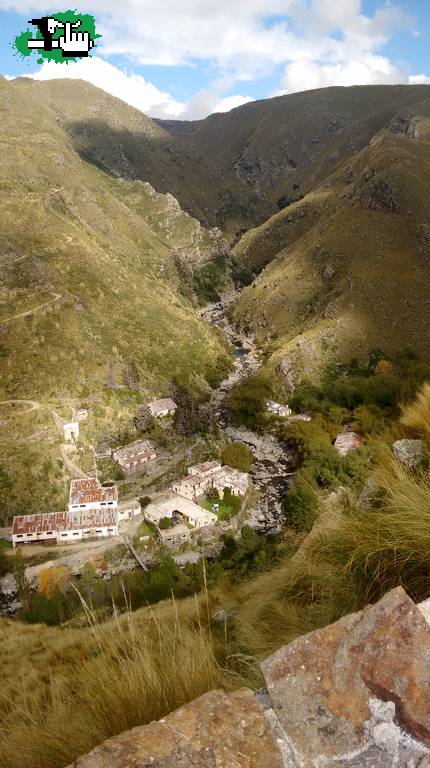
(217, 730)
(324, 686)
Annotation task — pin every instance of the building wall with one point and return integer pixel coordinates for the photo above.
(65, 537)
(30, 538)
(94, 505)
(128, 512)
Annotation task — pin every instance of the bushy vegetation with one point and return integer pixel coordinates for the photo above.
(57, 598)
(238, 455)
(246, 402)
(367, 398)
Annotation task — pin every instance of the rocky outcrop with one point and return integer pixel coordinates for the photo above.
(355, 694)
(217, 730)
(325, 686)
(410, 453)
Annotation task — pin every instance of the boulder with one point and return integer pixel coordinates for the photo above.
(217, 730)
(410, 453)
(323, 686)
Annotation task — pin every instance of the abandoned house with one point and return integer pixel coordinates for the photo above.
(131, 458)
(175, 536)
(278, 409)
(89, 494)
(163, 407)
(64, 527)
(347, 441)
(204, 478)
(174, 506)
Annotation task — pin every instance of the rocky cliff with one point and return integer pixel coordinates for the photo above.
(356, 693)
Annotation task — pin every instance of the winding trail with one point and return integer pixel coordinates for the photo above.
(57, 297)
(74, 469)
(272, 463)
(34, 405)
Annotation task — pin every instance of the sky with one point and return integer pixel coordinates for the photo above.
(186, 59)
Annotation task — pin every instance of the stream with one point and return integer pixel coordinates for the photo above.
(272, 466)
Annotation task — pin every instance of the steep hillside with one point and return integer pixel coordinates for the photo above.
(347, 266)
(96, 281)
(282, 147)
(126, 143)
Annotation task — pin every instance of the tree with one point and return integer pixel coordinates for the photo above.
(238, 456)
(165, 522)
(144, 501)
(246, 402)
(52, 580)
(190, 416)
(384, 368)
(144, 420)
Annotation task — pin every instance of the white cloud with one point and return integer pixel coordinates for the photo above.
(316, 43)
(367, 70)
(135, 90)
(231, 102)
(419, 79)
(131, 88)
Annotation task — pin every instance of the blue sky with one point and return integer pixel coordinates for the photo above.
(191, 58)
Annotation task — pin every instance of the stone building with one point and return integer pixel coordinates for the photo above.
(131, 458)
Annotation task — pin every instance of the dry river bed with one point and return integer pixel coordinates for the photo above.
(272, 466)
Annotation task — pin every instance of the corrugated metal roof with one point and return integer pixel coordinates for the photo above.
(88, 490)
(64, 521)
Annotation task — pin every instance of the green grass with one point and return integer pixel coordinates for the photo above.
(225, 512)
(109, 249)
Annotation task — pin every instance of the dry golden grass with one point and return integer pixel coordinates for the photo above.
(113, 677)
(416, 415)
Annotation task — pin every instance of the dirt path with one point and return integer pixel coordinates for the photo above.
(34, 405)
(75, 471)
(33, 310)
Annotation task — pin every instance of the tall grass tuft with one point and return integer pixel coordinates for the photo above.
(135, 672)
(416, 415)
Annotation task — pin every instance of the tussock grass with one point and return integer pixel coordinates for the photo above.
(416, 415)
(136, 669)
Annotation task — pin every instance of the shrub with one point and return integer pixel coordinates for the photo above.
(381, 391)
(144, 420)
(238, 455)
(246, 401)
(164, 523)
(300, 507)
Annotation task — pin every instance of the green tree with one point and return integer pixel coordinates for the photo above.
(190, 416)
(165, 522)
(144, 420)
(246, 401)
(238, 456)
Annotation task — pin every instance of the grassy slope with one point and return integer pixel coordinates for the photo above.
(368, 222)
(124, 142)
(286, 145)
(105, 252)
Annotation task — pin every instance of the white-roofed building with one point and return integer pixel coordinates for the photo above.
(178, 507)
(163, 407)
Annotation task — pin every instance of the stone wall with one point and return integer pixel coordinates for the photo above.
(356, 693)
